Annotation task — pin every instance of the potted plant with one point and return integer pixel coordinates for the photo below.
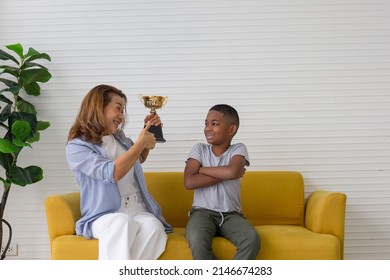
(19, 125)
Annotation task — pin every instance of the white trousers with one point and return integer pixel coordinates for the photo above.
(129, 234)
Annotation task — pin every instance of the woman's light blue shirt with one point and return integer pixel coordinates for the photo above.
(94, 172)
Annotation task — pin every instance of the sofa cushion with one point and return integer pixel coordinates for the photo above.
(285, 242)
(278, 242)
(177, 246)
(74, 247)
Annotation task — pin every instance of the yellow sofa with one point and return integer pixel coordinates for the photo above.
(273, 201)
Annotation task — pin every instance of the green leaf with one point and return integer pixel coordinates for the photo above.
(5, 99)
(14, 90)
(28, 64)
(21, 116)
(25, 106)
(34, 75)
(25, 176)
(8, 83)
(6, 56)
(32, 54)
(36, 173)
(5, 113)
(7, 147)
(42, 125)
(6, 160)
(33, 89)
(21, 130)
(21, 144)
(18, 48)
(35, 138)
(14, 71)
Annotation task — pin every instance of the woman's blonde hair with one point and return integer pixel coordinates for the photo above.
(90, 123)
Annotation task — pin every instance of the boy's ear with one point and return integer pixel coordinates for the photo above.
(233, 129)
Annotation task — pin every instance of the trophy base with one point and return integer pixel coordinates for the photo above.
(157, 131)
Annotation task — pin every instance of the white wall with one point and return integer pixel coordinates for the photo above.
(310, 80)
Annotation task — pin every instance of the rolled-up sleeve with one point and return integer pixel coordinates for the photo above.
(87, 159)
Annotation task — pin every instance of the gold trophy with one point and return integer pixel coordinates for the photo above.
(154, 102)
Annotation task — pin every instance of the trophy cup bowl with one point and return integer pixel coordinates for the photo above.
(154, 102)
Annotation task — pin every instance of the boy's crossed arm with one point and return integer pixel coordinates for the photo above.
(197, 176)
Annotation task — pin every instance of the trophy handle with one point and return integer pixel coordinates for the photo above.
(157, 131)
(165, 101)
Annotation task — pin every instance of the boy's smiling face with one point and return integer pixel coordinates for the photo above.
(218, 128)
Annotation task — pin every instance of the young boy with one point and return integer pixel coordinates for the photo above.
(214, 170)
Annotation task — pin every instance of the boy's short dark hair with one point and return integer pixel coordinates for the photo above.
(228, 111)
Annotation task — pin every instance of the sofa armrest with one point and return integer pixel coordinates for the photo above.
(325, 213)
(62, 212)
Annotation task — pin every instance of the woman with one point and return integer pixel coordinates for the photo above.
(116, 206)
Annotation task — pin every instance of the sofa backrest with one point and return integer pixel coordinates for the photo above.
(268, 197)
(273, 197)
(168, 190)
